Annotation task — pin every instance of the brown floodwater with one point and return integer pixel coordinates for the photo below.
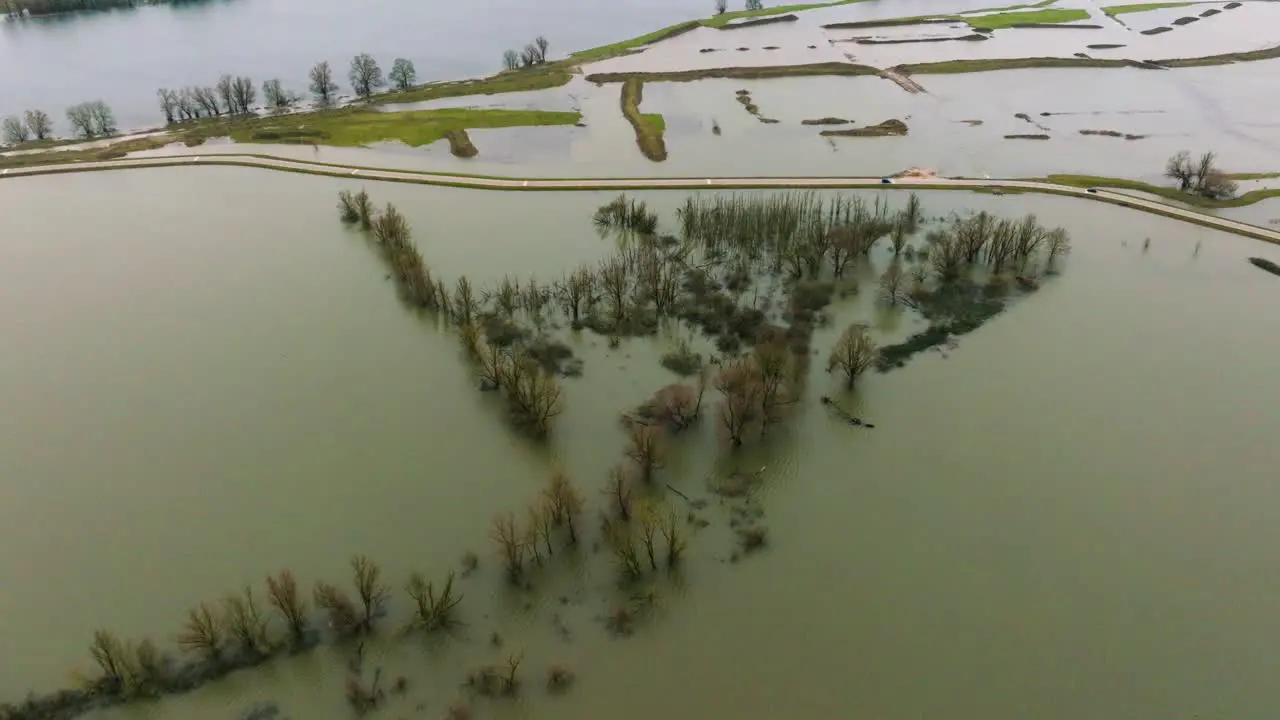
(207, 378)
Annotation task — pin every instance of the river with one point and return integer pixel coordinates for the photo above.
(1071, 515)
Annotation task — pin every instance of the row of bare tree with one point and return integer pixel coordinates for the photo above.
(237, 95)
(32, 125)
(535, 53)
(87, 119)
(235, 632)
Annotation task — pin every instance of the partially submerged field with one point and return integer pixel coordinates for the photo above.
(312, 415)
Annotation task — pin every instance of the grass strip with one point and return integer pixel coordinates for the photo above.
(1114, 10)
(1169, 193)
(649, 127)
(540, 77)
(1006, 20)
(414, 128)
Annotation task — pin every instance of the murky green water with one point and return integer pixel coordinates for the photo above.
(208, 379)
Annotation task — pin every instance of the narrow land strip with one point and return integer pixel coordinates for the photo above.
(669, 183)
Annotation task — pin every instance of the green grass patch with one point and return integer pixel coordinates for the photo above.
(414, 128)
(745, 73)
(541, 77)
(1005, 20)
(460, 143)
(1114, 10)
(1168, 193)
(649, 127)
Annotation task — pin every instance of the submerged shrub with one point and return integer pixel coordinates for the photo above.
(431, 611)
(283, 595)
(203, 633)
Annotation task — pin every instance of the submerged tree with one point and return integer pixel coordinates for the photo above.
(646, 447)
(566, 503)
(323, 88)
(854, 353)
(109, 654)
(369, 586)
(245, 623)
(283, 595)
(344, 617)
(511, 546)
(740, 399)
(1058, 244)
(202, 634)
(432, 611)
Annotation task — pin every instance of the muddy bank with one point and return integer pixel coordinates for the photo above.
(1057, 26)
(1265, 264)
(886, 23)
(1026, 136)
(742, 73)
(972, 37)
(893, 127)
(1113, 133)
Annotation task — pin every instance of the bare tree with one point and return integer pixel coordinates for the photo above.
(226, 91)
(542, 44)
(721, 6)
(646, 447)
(104, 119)
(39, 123)
(1179, 168)
(244, 94)
(168, 104)
(403, 73)
(322, 85)
(207, 99)
(740, 404)
(365, 75)
(275, 95)
(854, 353)
(755, 5)
(529, 56)
(187, 107)
(15, 130)
(510, 60)
(1217, 185)
(1058, 244)
(1204, 168)
(891, 284)
(80, 117)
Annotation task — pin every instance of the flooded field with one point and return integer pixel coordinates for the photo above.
(1068, 515)
(956, 127)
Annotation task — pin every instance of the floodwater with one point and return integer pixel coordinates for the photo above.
(1226, 109)
(124, 56)
(1070, 516)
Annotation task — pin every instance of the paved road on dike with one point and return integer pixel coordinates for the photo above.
(657, 183)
